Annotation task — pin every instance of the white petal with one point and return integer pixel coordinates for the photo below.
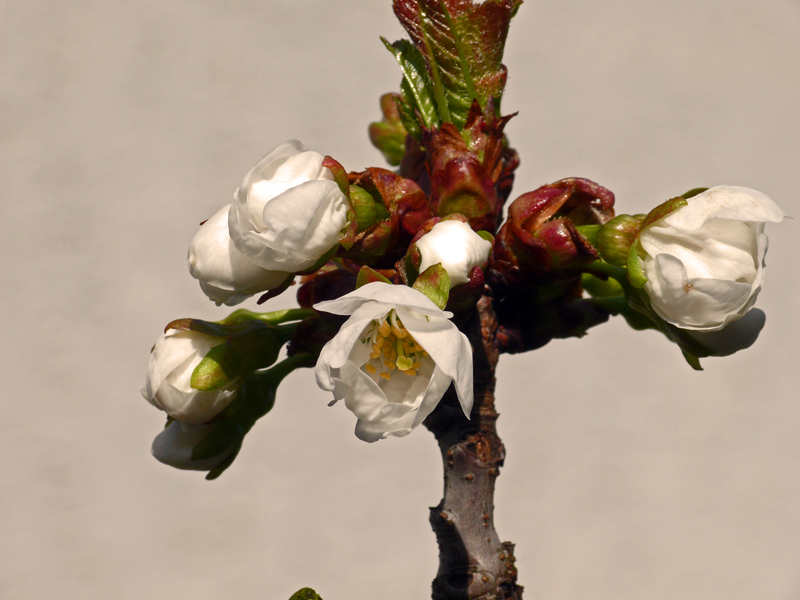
(174, 358)
(174, 445)
(703, 304)
(726, 202)
(288, 164)
(299, 226)
(449, 349)
(170, 351)
(385, 293)
(437, 387)
(337, 351)
(456, 246)
(721, 249)
(225, 274)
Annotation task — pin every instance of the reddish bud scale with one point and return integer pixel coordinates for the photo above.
(540, 238)
(407, 206)
(465, 168)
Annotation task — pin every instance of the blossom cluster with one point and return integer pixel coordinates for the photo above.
(387, 260)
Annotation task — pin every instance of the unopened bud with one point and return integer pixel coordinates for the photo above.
(614, 239)
(389, 135)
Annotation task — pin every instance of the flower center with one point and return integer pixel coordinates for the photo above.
(392, 348)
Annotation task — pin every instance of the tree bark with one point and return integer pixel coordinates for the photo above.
(473, 562)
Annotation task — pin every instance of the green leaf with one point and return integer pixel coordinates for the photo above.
(408, 118)
(462, 44)
(416, 84)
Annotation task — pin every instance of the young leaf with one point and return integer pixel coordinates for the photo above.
(462, 44)
(416, 85)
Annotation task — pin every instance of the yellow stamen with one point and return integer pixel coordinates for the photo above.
(385, 329)
(386, 376)
(370, 368)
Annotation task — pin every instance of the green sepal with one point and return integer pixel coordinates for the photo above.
(693, 192)
(368, 212)
(417, 88)
(693, 360)
(239, 322)
(255, 349)
(434, 282)
(347, 235)
(485, 235)
(276, 317)
(614, 239)
(339, 173)
(369, 275)
(662, 210)
(305, 594)
(635, 268)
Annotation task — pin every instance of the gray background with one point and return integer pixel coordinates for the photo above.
(629, 476)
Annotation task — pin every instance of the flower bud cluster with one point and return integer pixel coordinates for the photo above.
(387, 258)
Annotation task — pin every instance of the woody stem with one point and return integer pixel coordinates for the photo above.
(473, 562)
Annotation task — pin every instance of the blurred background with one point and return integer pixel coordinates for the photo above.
(629, 476)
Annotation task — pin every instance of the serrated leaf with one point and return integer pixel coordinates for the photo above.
(463, 45)
(408, 118)
(416, 85)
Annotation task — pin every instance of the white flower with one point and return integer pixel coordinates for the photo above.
(456, 246)
(225, 274)
(169, 374)
(705, 261)
(174, 445)
(393, 359)
(288, 212)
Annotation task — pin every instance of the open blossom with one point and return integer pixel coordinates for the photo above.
(456, 246)
(288, 212)
(705, 261)
(393, 359)
(174, 445)
(169, 375)
(225, 274)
